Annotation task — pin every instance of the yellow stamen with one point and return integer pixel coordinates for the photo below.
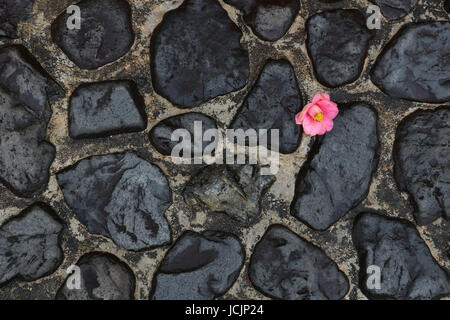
(318, 116)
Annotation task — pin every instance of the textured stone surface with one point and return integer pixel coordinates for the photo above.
(120, 196)
(422, 166)
(395, 9)
(161, 134)
(416, 63)
(103, 277)
(106, 108)
(233, 190)
(198, 267)
(25, 156)
(408, 270)
(272, 104)
(337, 175)
(29, 245)
(337, 43)
(269, 19)
(12, 12)
(284, 266)
(203, 61)
(105, 33)
(447, 6)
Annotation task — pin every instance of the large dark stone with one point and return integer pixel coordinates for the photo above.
(272, 104)
(103, 277)
(105, 33)
(161, 134)
(196, 54)
(25, 156)
(337, 175)
(120, 196)
(199, 267)
(422, 166)
(415, 65)
(408, 270)
(29, 245)
(337, 43)
(106, 108)
(12, 12)
(285, 266)
(233, 190)
(269, 19)
(395, 9)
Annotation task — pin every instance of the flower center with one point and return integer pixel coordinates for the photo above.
(319, 117)
(316, 113)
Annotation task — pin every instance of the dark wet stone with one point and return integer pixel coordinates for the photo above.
(120, 196)
(337, 43)
(106, 108)
(233, 190)
(161, 134)
(272, 104)
(12, 12)
(105, 33)
(422, 167)
(103, 277)
(199, 267)
(25, 156)
(447, 6)
(408, 270)
(269, 19)
(29, 245)
(337, 175)
(415, 65)
(285, 266)
(395, 9)
(196, 54)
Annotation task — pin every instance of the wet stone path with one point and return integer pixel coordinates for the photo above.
(86, 175)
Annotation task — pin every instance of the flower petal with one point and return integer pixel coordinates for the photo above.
(329, 109)
(312, 128)
(321, 96)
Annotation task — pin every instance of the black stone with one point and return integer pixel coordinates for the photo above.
(29, 245)
(25, 156)
(415, 65)
(408, 270)
(161, 134)
(272, 104)
(337, 175)
(269, 19)
(337, 43)
(120, 196)
(105, 33)
(12, 12)
(422, 167)
(285, 266)
(395, 9)
(106, 108)
(196, 54)
(199, 267)
(234, 190)
(447, 6)
(103, 277)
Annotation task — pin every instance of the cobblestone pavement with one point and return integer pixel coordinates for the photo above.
(87, 178)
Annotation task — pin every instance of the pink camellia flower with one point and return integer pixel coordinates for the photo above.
(317, 116)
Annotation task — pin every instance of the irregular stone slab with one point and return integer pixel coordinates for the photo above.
(272, 104)
(408, 270)
(395, 9)
(106, 108)
(415, 65)
(199, 266)
(285, 266)
(25, 156)
(105, 33)
(161, 134)
(337, 175)
(234, 190)
(337, 43)
(120, 196)
(12, 12)
(103, 277)
(269, 19)
(29, 245)
(422, 167)
(203, 61)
